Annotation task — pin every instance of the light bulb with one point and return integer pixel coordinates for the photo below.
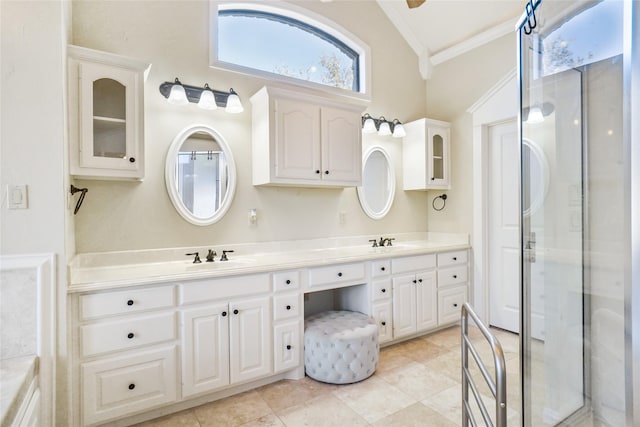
(207, 99)
(369, 125)
(385, 129)
(398, 129)
(177, 95)
(535, 116)
(233, 103)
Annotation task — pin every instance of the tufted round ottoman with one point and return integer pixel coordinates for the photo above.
(340, 347)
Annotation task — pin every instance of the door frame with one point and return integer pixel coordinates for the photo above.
(498, 104)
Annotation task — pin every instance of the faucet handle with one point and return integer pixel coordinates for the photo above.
(210, 256)
(224, 255)
(374, 243)
(382, 240)
(390, 241)
(196, 260)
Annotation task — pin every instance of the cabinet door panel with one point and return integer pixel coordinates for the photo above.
(382, 313)
(297, 140)
(438, 157)
(404, 306)
(287, 346)
(426, 301)
(205, 349)
(250, 339)
(341, 146)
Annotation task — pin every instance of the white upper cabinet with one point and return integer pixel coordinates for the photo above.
(106, 115)
(305, 140)
(426, 158)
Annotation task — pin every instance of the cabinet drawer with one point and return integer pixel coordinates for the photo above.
(450, 303)
(381, 290)
(94, 306)
(380, 268)
(451, 258)
(287, 346)
(125, 385)
(452, 275)
(103, 337)
(228, 287)
(336, 274)
(286, 306)
(413, 263)
(382, 313)
(286, 281)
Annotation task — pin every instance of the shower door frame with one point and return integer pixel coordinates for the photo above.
(631, 150)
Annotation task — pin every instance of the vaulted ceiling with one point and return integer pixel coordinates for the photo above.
(439, 30)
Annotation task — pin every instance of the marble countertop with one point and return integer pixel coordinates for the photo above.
(96, 271)
(16, 375)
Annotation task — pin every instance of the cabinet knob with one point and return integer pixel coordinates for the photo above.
(224, 314)
(317, 171)
(132, 159)
(288, 307)
(455, 276)
(326, 172)
(455, 304)
(415, 281)
(130, 302)
(455, 258)
(130, 335)
(433, 178)
(132, 386)
(288, 347)
(383, 290)
(339, 274)
(382, 268)
(235, 311)
(383, 323)
(420, 280)
(288, 282)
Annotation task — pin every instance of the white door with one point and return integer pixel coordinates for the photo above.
(427, 301)
(341, 145)
(297, 140)
(404, 306)
(504, 248)
(250, 339)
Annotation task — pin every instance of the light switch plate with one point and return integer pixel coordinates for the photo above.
(17, 196)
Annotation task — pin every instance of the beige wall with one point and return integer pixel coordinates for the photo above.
(173, 36)
(454, 87)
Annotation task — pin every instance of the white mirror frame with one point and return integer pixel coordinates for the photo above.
(170, 175)
(392, 181)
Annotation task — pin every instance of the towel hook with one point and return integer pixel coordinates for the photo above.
(531, 18)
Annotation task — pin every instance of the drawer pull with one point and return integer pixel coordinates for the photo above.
(288, 307)
(235, 311)
(130, 302)
(224, 314)
(382, 268)
(130, 335)
(383, 290)
(455, 304)
(339, 274)
(455, 258)
(288, 347)
(288, 282)
(132, 386)
(415, 281)
(455, 276)
(383, 323)
(420, 280)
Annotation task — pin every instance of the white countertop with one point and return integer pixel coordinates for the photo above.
(96, 271)
(16, 375)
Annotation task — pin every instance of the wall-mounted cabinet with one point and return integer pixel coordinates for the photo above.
(106, 115)
(426, 159)
(304, 140)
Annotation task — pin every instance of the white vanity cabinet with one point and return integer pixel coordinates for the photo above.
(226, 332)
(453, 284)
(106, 114)
(305, 140)
(381, 299)
(426, 155)
(288, 318)
(414, 294)
(127, 352)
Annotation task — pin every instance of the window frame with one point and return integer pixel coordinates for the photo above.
(307, 17)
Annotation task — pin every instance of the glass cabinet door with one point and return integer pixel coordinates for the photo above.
(438, 157)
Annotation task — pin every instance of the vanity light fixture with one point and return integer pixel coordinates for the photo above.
(206, 98)
(382, 126)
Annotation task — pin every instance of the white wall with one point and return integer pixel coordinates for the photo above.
(174, 38)
(33, 38)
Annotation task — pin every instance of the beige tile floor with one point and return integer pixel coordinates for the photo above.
(417, 383)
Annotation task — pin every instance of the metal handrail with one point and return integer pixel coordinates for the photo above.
(498, 386)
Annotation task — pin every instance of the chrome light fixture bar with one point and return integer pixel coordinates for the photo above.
(206, 98)
(382, 126)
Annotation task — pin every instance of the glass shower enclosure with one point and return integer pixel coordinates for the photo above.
(580, 212)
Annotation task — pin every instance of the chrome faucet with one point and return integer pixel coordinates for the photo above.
(211, 255)
(196, 260)
(374, 243)
(386, 240)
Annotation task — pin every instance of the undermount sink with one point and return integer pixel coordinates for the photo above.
(220, 264)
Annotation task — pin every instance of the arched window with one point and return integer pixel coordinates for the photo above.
(285, 44)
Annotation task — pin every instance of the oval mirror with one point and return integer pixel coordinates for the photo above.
(536, 166)
(378, 183)
(200, 175)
